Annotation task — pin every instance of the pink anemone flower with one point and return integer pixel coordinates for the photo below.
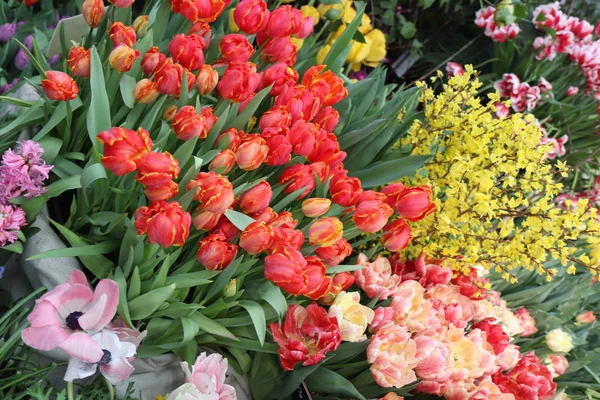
(66, 316)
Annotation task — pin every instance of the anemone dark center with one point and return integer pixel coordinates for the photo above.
(106, 357)
(72, 320)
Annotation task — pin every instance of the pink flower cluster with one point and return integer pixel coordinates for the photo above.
(592, 194)
(446, 332)
(485, 19)
(78, 320)
(22, 172)
(523, 96)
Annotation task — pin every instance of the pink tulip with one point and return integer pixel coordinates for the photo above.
(208, 376)
(114, 364)
(376, 279)
(67, 315)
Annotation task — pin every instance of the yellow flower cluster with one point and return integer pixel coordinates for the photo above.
(494, 189)
(370, 53)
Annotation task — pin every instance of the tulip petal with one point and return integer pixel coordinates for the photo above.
(78, 369)
(44, 338)
(109, 290)
(81, 346)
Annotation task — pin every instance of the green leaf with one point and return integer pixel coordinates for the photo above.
(143, 306)
(33, 113)
(334, 58)
(126, 85)
(122, 307)
(134, 284)
(390, 171)
(33, 60)
(78, 251)
(287, 200)
(184, 92)
(240, 220)
(343, 268)
(223, 279)
(16, 247)
(212, 327)
(242, 119)
(51, 146)
(191, 279)
(257, 315)
(92, 173)
(98, 117)
(99, 265)
(373, 128)
(57, 188)
(326, 381)
(293, 379)
(190, 329)
(185, 151)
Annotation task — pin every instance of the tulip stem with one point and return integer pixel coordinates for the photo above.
(70, 390)
(111, 389)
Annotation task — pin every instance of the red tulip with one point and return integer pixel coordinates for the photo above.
(226, 228)
(280, 50)
(93, 12)
(529, 379)
(207, 79)
(152, 60)
(284, 220)
(345, 191)
(396, 235)
(230, 139)
(205, 220)
(284, 21)
(166, 223)
(79, 62)
(187, 123)
(169, 113)
(251, 16)
(223, 162)
(285, 269)
(371, 216)
(325, 231)
(239, 81)
(122, 58)
(213, 191)
(315, 207)
(280, 150)
(121, 3)
(284, 236)
(415, 203)
(59, 86)
(215, 253)
(328, 118)
(199, 10)
(156, 172)
(296, 177)
(335, 254)
(121, 34)
(236, 47)
(251, 153)
(124, 149)
(306, 336)
(280, 75)
(256, 199)
(267, 215)
(188, 50)
(328, 85)
(275, 117)
(168, 77)
(256, 238)
(494, 333)
(145, 91)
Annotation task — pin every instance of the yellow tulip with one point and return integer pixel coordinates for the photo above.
(353, 318)
(297, 42)
(359, 51)
(378, 48)
(232, 25)
(323, 53)
(310, 11)
(365, 25)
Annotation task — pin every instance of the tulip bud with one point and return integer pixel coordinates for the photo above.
(140, 25)
(335, 254)
(145, 91)
(79, 62)
(59, 86)
(93, 12)
(251, 153)
(205, 220)
(166, 223)
(121, 34)
(121, 3)
(415, 203)
(152, 60)
(257, 198)
(315, 207)
(207, 79)
(223, 162)
(156, 172)
(124, 149)
(122, 58)
(169, 113)
(333, 14)
(187, 50)
(239, 81)
(230, 289)
(397, 235)
(236, 47)
(325, 231)
(267, 215)
(371, 216)
(215, 253)
(213, 191)
(586, 317)
(256, 238)
(251, 16)
(298, 176)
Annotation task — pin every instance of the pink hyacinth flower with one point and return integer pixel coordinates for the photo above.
(12, 219)
(208, 376)
(114, 363)
(67, 315)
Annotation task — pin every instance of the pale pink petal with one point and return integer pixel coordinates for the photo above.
(90, 320)
(75, 298)
(227, 393)
(54, 295)
(117, 370)
(78, 370)
(81, 346)
(109, 288)
(43, 314)
(77, 276)
(44, 338)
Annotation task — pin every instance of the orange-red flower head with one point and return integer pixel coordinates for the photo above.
(59, 86)
(213, 191)
(165, 223)
(251, 16)
(79, 62)
(122, 58)
(121, 34)
(124, 149)
(215, 252)
(93, 12)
